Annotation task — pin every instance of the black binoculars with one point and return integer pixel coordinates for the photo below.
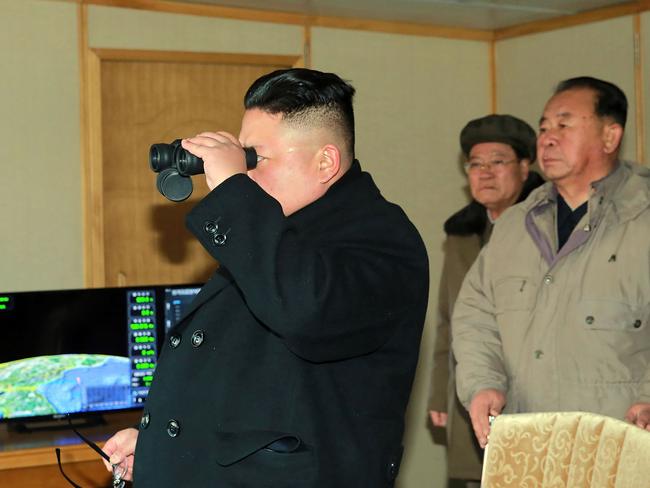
(175, 165)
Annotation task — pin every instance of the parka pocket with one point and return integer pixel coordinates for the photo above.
(612, 315)
(514, 293)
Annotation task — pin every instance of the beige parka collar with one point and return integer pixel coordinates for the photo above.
(626, 191)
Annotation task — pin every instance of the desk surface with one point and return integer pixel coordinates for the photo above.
(25, 449)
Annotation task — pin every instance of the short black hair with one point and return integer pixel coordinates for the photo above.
(610, 99)
(305, 96)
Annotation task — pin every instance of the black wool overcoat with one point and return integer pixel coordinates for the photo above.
(294, 365)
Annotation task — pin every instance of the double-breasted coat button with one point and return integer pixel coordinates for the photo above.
(144, 421)
(197, 338)
(589, 319)
(637, 323)
(173, 428)
(211, 227)
(174, 340)
(219, 239)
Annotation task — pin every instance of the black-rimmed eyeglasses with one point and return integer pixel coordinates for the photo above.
(119, 470)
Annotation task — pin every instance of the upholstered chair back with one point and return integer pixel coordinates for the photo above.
(566, 449)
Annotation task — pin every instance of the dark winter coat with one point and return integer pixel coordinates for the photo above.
(295, 364)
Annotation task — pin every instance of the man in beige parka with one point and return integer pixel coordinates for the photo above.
(554, 315)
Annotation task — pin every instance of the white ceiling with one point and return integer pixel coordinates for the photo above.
(474, 14)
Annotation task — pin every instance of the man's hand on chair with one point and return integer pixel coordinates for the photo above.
(485, 403)
(639, 415)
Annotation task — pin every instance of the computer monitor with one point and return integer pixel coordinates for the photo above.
(84, 351)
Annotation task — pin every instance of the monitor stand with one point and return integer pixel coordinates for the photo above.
(29, 426)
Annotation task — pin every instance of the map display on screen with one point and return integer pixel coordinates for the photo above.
(85, 350)
(50, 385)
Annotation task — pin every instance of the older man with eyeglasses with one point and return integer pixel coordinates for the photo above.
(498, 150)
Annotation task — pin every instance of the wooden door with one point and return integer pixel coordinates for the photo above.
(143, 239)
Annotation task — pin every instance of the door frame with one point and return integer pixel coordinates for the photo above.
(92, 132)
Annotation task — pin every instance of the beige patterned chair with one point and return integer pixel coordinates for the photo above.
(566, 449)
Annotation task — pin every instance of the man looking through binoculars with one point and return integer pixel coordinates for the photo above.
(295, 362)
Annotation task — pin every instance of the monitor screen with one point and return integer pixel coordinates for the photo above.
(83, 351)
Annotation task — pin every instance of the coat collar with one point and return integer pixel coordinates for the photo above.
(619, 197)
(627, 188)
(472, 219)
(354, 188)
(629, 193)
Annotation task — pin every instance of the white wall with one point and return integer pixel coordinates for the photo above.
(645, 51)
(40, 183)
(119, 28)
(529, 67)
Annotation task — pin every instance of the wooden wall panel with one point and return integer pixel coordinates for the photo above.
(145, 102)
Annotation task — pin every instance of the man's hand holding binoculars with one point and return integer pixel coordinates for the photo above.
(222, 154)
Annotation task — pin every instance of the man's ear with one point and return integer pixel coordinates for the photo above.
(329, 163)
(612, 135)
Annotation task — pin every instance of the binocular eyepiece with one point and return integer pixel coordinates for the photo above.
(175, 165)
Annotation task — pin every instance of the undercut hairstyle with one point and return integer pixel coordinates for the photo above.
(610, 99)
(306, 98)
